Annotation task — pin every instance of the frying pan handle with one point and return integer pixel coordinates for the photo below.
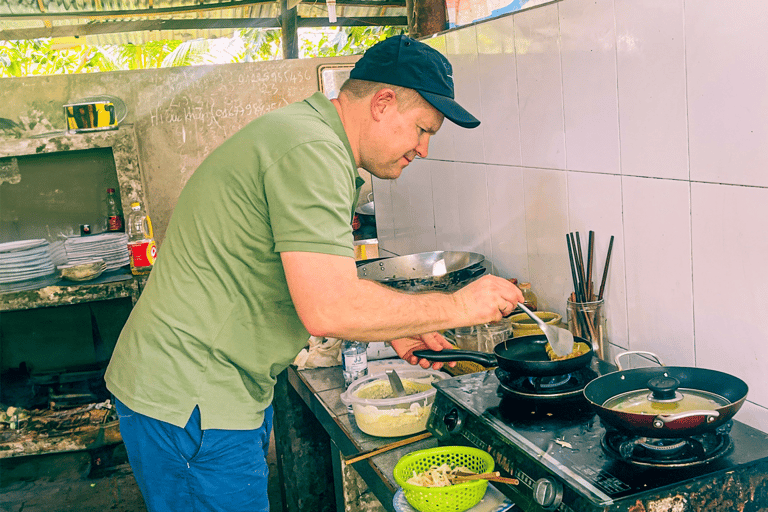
(475, 272)
(449, 355)
(622, 354)
(662, 419)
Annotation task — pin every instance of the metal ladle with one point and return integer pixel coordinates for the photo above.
(396, 384)
(560, 339)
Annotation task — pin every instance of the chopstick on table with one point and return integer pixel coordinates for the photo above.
(387, 447)
(461, 477)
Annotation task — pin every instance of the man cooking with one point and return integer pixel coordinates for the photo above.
(257, 257)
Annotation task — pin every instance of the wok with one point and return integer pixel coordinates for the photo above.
(673, 425)
(438, 270)
(525, 355)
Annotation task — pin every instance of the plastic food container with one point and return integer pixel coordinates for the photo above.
(380, 416)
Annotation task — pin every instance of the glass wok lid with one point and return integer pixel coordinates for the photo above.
(664, 396)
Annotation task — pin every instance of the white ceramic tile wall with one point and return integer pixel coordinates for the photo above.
(729, 227)
(506, 203)
(590, 99)
(499, 115)
(727, 93)
(657, 258)
(546, 222)
(412, 202)
(650, 58)
(461, 207)
(540, 91)
(461, 46)
(688, 277)
(594, 204)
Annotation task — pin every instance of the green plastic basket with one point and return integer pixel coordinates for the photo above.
(452, 498)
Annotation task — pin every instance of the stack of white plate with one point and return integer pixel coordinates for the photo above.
(25, 259)
(110, 247)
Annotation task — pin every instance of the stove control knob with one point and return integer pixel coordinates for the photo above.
(548, 493)
(454, 420)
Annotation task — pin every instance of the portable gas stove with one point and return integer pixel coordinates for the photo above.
(544, 433)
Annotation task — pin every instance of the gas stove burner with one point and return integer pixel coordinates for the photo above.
(546, 383)
(664, 447)
(666, 453)
(550, 388)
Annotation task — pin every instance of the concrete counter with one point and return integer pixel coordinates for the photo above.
(314, 434)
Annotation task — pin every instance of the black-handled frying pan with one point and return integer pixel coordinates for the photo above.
(526, 355)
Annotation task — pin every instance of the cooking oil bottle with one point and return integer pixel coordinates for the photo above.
(141, 242)
(529, 298)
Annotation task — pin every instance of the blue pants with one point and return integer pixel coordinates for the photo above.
(193, 470)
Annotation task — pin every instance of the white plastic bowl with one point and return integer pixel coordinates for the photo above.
(83, 271)
(393, 417)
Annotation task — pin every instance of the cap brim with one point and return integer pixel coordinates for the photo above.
(451, 110)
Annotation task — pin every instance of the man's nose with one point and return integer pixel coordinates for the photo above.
(423, 148)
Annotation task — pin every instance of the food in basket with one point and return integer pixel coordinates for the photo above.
(578, 349)
(437, 476)
(449, 498)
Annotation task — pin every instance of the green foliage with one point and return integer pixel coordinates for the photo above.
(37, 57)
(260, 44)
(346, 41)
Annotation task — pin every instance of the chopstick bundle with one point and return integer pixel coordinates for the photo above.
(584, 324)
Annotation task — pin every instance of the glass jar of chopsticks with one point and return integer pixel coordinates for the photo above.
(587, 320)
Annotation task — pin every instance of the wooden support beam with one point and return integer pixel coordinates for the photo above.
(196, 24)
(425, 17)
(35, 14)
(288, 26)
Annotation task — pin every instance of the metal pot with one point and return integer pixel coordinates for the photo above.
(438, 270)
(366, 209)
(665, 385)
(526, 355)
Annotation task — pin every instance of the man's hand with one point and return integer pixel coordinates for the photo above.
(432, 341)
(488, 299)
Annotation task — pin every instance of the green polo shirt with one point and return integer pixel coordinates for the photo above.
(215, 323)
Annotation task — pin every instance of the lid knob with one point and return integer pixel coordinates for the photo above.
(663, 387)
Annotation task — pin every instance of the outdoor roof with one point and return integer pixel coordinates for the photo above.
(137, 21)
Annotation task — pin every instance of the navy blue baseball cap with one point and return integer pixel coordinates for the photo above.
(408, 63)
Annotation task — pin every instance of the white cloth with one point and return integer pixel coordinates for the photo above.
(321, 352)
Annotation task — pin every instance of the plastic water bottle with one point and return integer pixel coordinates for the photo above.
(141, 242)
(354, 361)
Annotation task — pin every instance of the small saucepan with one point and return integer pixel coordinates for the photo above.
(526, 355)
(665, 401)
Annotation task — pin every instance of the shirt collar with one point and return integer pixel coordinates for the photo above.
(327, 110)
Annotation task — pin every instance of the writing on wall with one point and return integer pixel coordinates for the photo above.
(185, 113)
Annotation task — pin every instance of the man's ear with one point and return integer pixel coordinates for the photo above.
(381, 102)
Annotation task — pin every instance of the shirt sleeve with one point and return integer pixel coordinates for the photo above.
(310, 195)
